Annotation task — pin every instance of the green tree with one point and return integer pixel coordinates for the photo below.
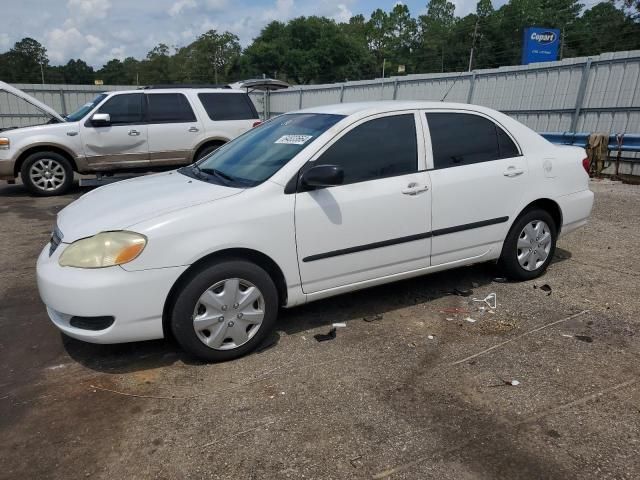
(78, 72)
(25, 62)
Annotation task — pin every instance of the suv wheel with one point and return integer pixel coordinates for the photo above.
(225, 311)
(206, 151)
(530, 245)
(46, 173)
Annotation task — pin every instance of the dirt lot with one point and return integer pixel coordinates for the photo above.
(416, 394)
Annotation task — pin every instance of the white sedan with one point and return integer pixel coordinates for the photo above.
(311, 204)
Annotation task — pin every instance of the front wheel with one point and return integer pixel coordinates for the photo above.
(225, 310)
(529, 246)
(46, 174)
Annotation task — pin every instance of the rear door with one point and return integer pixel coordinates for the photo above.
(375, 224)
(228, 113)
(123, 143)
(174, 130)
(479, 178)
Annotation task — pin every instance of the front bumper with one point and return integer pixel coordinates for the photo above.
(6, 169)
(135, 299)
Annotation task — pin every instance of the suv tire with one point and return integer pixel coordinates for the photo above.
(46, 174)
(206, 151)
(225, 310)
(530, 245)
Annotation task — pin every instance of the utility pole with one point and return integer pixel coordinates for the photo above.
(473, 43)
(384, 61)
(42, 73)
(562, 44)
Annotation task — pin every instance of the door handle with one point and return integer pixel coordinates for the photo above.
(194, 129)
(513, 172)
(414, 189)
(134, 133)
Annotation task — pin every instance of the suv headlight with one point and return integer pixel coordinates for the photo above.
(4, 143)
(105, 249)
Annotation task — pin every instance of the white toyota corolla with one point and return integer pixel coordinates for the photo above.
(311, 204)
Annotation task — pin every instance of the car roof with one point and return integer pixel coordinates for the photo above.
(383, 106)
(178, 90)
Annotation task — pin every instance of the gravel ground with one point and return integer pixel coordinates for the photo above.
(419, 392)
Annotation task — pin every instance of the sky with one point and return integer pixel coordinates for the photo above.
(99, 30)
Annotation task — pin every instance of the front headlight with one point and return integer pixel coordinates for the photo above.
(4, 143)
(105, 249)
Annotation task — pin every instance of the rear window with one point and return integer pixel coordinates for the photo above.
(228, 106)
(169, 108)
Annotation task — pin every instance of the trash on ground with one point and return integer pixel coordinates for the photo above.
(515, 383)
(430, 337)
(500, 280)
(475, 284)
(491, 300)
(373, 318)
(322, 337)
(567, 335)
(454, 310)
(463, 292)
(545, 288)
(584, 338)
(470, 320)
(339, 325)
(450, 319)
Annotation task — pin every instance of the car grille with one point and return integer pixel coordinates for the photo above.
(56, 238)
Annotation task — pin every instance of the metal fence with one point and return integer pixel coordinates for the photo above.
(591, 94)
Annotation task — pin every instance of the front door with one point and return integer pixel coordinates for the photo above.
(479, 179)
(375, 224)
(122, 143)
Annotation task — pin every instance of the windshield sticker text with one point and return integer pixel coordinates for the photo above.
(294, 139)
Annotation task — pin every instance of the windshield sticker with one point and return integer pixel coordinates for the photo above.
(294, 139)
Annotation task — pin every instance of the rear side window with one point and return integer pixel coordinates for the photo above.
(169, 108)
(384, 147)
(462, 139)
(124, 109)
(228, 106)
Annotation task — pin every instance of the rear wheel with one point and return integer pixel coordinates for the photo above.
(529, 246)
(46, 174)
(225, 311)
(206, 151)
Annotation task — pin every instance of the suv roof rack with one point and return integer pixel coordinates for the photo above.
(182, 85)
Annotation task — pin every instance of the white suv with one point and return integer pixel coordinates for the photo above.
(143, 129)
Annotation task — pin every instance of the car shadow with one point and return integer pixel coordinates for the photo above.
(19, 190)
(139, 356)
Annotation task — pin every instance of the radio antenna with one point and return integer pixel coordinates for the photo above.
(452, 85)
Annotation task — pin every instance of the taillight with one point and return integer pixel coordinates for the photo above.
(255, 124)
(586, 164)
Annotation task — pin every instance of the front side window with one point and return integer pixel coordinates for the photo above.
(169, 108)
(84, 109)
(126, 108)
(255, 156)
(384, 147)
(462, 139)
(228, 106)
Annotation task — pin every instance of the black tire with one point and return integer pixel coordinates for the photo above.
(54, 164)
(206, 151)
(509, 258)
(188, 297)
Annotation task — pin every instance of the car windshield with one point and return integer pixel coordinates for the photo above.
(84, 109)
(255, 156)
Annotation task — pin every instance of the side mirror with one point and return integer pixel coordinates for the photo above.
(323, 176)
(101, 120)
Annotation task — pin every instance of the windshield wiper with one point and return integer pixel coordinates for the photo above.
(226, 179)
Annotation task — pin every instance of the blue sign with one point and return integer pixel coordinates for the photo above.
(540, 45)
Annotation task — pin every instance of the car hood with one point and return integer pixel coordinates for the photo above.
(33, 101)
(121, 205)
